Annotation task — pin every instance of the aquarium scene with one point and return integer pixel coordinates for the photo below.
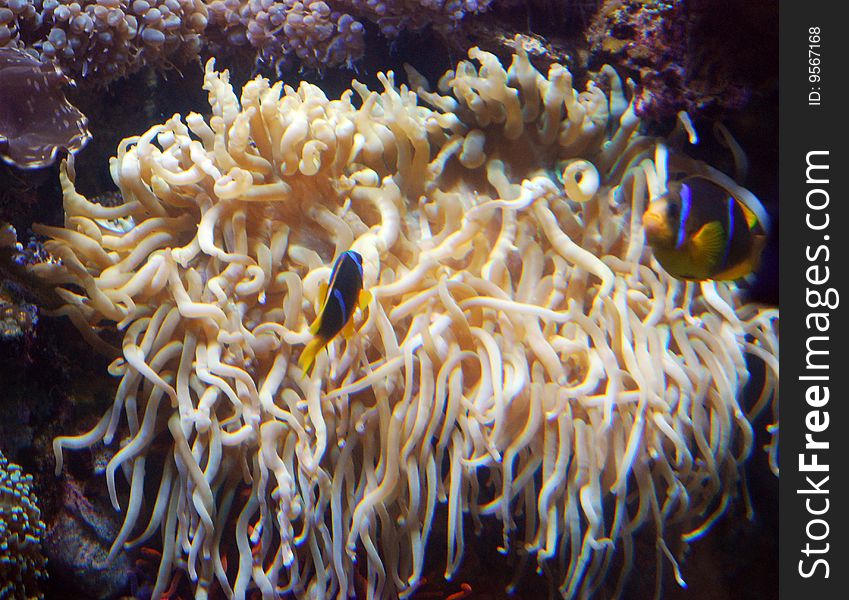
(389, 299)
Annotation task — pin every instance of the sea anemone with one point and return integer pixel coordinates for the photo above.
(523, 353)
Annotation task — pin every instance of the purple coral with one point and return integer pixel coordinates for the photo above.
(307, 30)
(105, 39)
(394, 16)
(15, 16)
(77, 544)
(326, 33)
(684, 53)
(36, 120)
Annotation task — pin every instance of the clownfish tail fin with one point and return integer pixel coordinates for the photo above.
(307, 359)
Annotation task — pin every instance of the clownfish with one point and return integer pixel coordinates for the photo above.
(699, 231)
(343, 292)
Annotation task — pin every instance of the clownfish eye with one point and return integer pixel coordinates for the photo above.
(673, 209)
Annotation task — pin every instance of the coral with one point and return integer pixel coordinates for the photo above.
(36, 120)
(77, 545)
(20, 291)
(523, 353)
(102, 40)
(17, 16)
(693, 56)
(17, 317)
(21, 533)
(309, 31)
(394, 16)
(326, 33)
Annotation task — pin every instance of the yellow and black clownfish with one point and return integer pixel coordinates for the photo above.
(344, 292)
(699, 231)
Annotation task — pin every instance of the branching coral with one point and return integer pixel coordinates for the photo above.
(522, 354)
(21, 533)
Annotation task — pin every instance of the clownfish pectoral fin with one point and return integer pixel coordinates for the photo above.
(708, 244)
(365, 299)
(307, 359)
(348, 330)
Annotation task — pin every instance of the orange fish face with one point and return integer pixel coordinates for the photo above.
(660, 232)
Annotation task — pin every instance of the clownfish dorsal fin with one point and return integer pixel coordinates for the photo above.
(709, 244)
(751, 218)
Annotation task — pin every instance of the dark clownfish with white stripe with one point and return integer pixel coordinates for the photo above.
(699, 231)
(344, 292)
